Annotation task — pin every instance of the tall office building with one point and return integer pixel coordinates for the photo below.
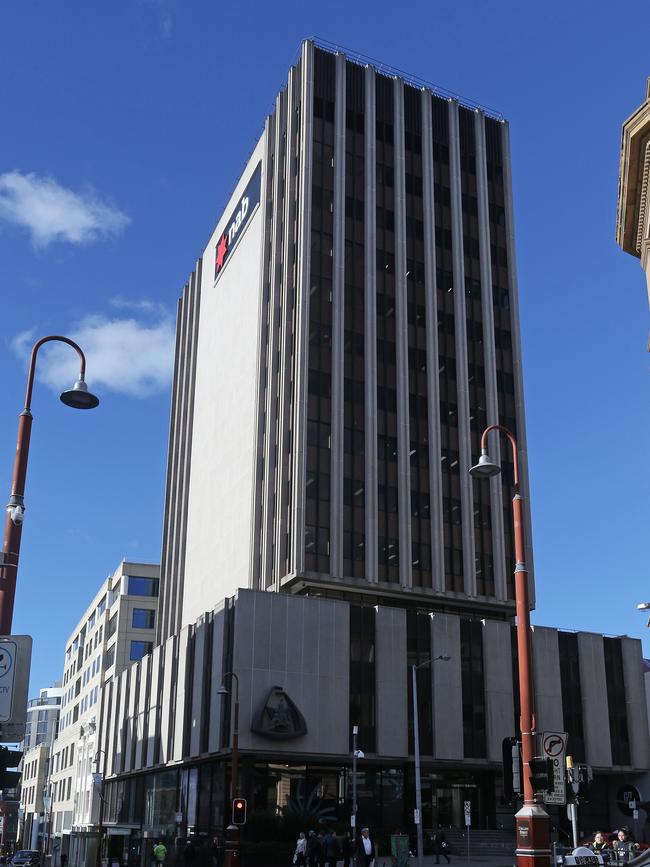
(348, 332)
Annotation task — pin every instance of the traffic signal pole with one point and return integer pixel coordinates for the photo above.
(233, 845)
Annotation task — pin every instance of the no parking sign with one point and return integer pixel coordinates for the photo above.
(554, 747)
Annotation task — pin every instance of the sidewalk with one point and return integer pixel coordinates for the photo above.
(490, 859)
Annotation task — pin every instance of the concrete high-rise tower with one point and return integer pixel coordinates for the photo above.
(349, 330)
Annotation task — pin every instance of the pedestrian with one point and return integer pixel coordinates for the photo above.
(623, 847)
(159, 853)
(331, 849)
(440, 845)
(300, 855)
(321, 849)
(365, 850)
(217, 851)
(599, 844)
(346, 849)
(313, 850)
(189, 854)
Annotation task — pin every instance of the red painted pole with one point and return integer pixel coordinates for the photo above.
(532, 821)
(16, 505)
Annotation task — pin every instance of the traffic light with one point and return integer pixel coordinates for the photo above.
(9, 759)
(239, 811)
(541, 774)
(512, 772)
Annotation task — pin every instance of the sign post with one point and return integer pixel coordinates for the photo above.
(467, 810)
(15, 661)
(554, 748)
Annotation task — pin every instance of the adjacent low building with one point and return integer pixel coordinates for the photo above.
(309, 669)
(116, 629)
(41, 729)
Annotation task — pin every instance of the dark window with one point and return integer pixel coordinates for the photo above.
(111, 626)
(143, 618)
(140, 649)
(615, 680)
(109, 656)
(143, 586)
(571, 694)
(418, 649)
(362, 675)
(473, 687)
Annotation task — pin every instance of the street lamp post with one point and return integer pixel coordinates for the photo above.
(78, 397)
(47, 807)
(356, 754)
(416, 746)
(233, 849)
(98, 779)
(532, 821)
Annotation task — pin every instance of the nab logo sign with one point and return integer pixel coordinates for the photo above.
(238, 221)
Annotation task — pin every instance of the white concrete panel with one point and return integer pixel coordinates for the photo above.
(548, 684)
(143, 698)
(181, 694)
(595, 715)
(635, 701)
(319, 687)
(130, 676)
(224, 425)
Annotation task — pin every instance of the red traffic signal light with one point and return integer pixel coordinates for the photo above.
(239, 811)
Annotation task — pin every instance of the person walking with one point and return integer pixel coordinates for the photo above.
(300, 855)
(331, 849)
(440, 846)
(365, 850)
(159, 853)
(347, 849)
(313, 850)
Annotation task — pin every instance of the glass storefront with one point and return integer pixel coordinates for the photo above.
(191, 804)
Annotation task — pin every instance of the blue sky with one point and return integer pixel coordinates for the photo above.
(125, 126)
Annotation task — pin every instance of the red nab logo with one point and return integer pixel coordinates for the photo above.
(238, 221)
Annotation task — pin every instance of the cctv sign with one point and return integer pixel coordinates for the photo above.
(239, 219)
(15, 659)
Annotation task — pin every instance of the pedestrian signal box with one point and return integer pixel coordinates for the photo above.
(9, 759)
(541, 774)
(239, 811)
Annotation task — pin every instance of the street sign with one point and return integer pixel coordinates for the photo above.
(554, 748)
(15, 659)
(467, 810)
(416, 817)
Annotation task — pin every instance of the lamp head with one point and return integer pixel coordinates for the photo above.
(78, 397)
(222, 690)
(643, 606)
(485, 468)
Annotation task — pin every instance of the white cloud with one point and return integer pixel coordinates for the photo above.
(53, 213)
(123, 355)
